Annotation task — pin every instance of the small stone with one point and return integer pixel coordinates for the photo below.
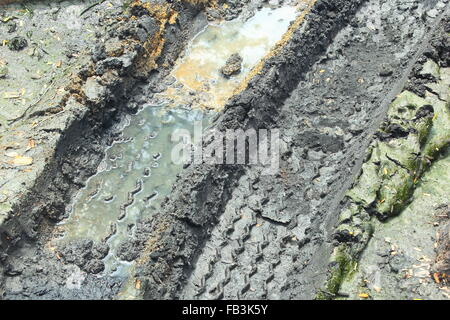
(114, 47)
(93, 90)
(386, 71)
(3, 71)
(232, 66)
(430, 68)
(432, 13)
(12, 27)
(94, 266)
(17, 43)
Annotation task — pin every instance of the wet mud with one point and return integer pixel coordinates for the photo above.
(271, 237)
(347, 77)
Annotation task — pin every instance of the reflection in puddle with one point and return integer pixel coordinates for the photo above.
(199, 81)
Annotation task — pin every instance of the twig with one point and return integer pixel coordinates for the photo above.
(11, 121)
(91, 6)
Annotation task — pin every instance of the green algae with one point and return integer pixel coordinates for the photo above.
(416, 132)
(412, 235)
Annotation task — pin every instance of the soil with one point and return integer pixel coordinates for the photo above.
(229, 231)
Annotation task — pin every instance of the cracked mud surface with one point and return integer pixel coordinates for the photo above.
(229, 232)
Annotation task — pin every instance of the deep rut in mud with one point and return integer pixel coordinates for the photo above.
(144, 228)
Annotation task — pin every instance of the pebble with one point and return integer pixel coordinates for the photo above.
(3, 71)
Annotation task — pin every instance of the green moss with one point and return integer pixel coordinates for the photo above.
(365, 190)
(392, 170)
(439, 137)
(342, 266)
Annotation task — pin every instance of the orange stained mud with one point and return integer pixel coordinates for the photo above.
(199, 81)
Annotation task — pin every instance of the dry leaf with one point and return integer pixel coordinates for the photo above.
(137, 284)
(436, 278)
(31, 144)
(11, 95)
(363, 295)
(11, 154)
(22, 161)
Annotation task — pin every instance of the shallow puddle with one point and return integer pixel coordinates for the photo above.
(200, 83)
(133, 179)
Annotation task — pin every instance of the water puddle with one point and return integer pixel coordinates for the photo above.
(137, 172)
(134, 178)
(200, 83)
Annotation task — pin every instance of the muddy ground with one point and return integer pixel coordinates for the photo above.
(225, 231)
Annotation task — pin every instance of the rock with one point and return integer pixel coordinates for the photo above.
(430, 68)
(232, 66)
(149, 24)
(121, 64)
(98, 52)
(129, 250)
(138, 10)
(433, 13)
(274, 3)
(85, 254)
(94, 266)
(93, 90)
(386, 71)
(100, 250)
(3, 71)
(442, 263)
(12, 27)
(113, 47)
(17, 43)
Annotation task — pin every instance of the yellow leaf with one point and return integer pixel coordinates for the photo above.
(11, 95)
(137, 284)
(436, 278)
(363, 295)
(22, 161)
(31, 144)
